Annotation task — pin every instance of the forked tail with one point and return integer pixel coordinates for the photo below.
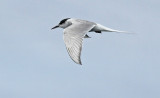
(103, 28)
(117, 31)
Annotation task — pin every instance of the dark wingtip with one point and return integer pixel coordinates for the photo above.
(80, 63)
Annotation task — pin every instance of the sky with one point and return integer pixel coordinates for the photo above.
(34, 62)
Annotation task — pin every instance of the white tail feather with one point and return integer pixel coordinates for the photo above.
(103, 28)
(117, 31)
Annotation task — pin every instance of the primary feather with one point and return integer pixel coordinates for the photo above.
(73, 37)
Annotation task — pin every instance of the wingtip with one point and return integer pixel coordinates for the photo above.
(80, 63)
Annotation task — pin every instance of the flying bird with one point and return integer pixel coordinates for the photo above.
(74, 32)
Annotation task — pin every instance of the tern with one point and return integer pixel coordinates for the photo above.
(74, 32)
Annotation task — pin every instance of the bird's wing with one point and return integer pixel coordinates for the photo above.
(73, 37)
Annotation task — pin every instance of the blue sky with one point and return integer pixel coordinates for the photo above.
(34, 62)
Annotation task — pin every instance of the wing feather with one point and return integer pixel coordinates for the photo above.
(73, 37)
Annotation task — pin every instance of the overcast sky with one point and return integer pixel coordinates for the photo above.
(34, 62)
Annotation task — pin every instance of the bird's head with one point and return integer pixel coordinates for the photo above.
(63, 23)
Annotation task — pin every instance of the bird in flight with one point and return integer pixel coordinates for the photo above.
(74, 32)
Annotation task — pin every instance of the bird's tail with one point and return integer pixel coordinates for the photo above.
(117, 31)
(103, 28)
(112, 30)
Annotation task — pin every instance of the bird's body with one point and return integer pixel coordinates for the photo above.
(74, 32)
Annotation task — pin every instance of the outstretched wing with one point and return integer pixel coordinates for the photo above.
(73, 37)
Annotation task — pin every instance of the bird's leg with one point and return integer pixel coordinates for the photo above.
(86, 36)
(98, 31)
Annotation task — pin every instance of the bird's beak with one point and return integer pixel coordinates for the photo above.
(55, 27)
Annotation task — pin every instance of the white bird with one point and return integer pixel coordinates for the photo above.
(74, 32)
